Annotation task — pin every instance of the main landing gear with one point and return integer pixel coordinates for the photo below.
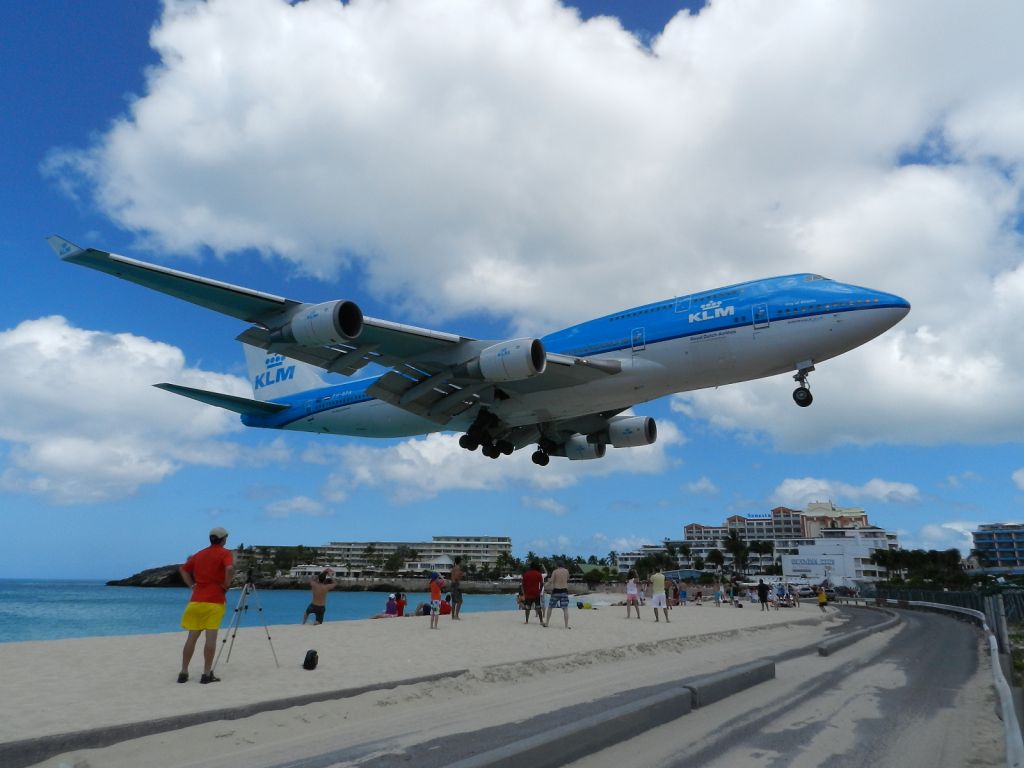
(802, 395)
(491, 450)
(540, 458)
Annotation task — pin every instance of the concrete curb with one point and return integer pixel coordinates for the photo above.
(720, 685)
(568, 743)
(18, 754)
(826, 647)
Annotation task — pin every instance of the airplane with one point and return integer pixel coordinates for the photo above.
(565, 393)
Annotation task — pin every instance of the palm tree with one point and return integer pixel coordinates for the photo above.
(716, 558)
(670, 550)
(685, 552)
(613, 559)
(738, 548)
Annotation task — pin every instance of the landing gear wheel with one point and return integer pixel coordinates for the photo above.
(469, 442)
(540, 458)
(802, 394)
(490, 451)
(505, 447)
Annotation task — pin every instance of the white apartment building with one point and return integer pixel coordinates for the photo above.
(840, 555)
(434, 555)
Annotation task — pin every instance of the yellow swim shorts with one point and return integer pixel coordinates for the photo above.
(202, 616)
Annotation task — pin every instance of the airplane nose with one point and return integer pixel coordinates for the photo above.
(896, 302)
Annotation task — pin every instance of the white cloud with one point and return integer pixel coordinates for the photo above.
(298, 505)
(703, 485)
(484, 156)
(948, 535)
(422, 467)
(961, 479)
(548, 505)
(798, 492)
(84, 423)
(1018, 478)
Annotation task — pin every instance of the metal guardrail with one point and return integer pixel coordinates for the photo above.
(1011, 726)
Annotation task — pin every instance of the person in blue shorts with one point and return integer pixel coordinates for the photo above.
(559, 583)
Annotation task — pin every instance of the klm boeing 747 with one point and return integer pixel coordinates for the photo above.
(564, 393)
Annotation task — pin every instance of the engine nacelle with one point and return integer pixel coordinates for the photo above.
(332, 322)
(579, 448)
(512, 360)
(631, 431)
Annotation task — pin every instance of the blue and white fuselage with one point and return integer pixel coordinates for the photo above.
(564, 392)
(738, 333)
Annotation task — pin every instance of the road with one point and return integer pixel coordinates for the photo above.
(918, 695)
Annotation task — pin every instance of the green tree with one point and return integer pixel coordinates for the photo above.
(716, 558)
(686, 552)
(739, 550)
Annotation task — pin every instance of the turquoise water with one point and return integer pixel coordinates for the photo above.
(51, 610)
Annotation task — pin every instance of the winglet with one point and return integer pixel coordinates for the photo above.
(63, 248)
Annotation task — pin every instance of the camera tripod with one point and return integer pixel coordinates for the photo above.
(248, 589)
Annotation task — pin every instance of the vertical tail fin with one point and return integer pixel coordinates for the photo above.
(272, 375)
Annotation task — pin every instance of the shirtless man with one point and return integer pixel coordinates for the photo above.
(559, 583)
(456, 587)
(320, 585)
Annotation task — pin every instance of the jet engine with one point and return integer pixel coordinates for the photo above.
(578, 448)
(317, 325)
(631, 431)
(512, 360)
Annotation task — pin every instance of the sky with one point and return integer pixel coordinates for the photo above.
(501, 169)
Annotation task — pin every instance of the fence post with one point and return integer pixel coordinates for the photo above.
(1002, 633)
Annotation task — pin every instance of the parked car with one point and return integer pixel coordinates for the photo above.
(805, 591)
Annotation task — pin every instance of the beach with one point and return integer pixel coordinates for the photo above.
(67, 686)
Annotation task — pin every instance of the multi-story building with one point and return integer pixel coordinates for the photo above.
(435, 555)
(841, 556)
(822, 515)
(999, 545)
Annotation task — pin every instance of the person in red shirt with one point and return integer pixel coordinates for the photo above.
(436, 584)
(400, 603)
(208, 572)
(533, 579)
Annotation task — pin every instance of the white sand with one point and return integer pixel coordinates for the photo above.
(70, 685)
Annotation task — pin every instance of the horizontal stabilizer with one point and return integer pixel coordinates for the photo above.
(242, 405)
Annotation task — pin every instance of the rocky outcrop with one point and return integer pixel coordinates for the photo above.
(164, 576)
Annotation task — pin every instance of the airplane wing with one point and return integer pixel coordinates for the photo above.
(427, 376)
(243, 303)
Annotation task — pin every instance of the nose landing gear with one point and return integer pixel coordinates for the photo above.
(802, 395)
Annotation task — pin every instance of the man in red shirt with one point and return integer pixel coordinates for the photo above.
(208, 572)
(532, 581)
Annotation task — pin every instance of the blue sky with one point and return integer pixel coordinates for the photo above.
(495, 169)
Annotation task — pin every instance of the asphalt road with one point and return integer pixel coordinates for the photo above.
(919, 695)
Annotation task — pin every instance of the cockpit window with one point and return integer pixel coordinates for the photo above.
(809, 278)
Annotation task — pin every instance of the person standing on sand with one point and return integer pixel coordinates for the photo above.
(658, 599)
(456, 587)
(822, 599)
(533, 580)
(762, 594)
(208, 573)
(436, 583)
(632, 594)
(559, 582)
(319, 585)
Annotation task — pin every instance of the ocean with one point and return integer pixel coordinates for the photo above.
(32, 609)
